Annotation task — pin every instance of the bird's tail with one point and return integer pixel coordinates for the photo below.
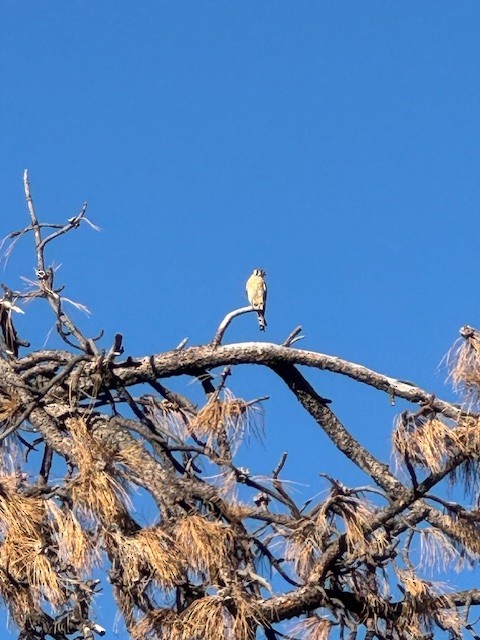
(262, 323)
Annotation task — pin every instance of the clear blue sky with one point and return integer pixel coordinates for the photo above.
(335, 144)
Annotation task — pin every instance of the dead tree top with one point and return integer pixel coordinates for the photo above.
(229, 554)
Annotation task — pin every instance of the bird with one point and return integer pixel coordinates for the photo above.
(257, 295)
(10, 341)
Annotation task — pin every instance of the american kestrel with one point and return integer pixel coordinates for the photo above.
(257, 295)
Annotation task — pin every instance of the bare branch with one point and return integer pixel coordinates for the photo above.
(35, 224)
(174, 363)
(73, 223)
(293, 337)
(226, 321)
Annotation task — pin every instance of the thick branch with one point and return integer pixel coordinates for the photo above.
(175, 363)
(315, 405)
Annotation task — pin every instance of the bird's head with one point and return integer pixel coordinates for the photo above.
(259, 272)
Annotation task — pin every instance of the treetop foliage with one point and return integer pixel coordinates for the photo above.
(229, 555)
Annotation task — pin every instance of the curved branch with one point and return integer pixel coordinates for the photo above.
(176, 363)
(226, 321)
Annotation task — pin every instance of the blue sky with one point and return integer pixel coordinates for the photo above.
(334, 144)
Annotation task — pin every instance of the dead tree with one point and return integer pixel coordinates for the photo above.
(342, 564)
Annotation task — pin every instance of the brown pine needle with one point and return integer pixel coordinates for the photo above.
(160, 624)
(219, 618)
(229, 416)
(313, 628)
(99, 487)
(304, 546)
(206, 545)
(426, 442)
(437, 551)
(464, 364)
(76, 547)
(149, 555)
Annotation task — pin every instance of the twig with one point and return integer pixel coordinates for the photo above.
(62, 375)
(116, 349)
(46, 465)
(176, 398)
(279, 487)
(181, 345)
(273, 560)
(223, 381)
(45, 276)
(293, 337)
(73, 223)
(35, 225)
(256, 400)
(280, 465)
